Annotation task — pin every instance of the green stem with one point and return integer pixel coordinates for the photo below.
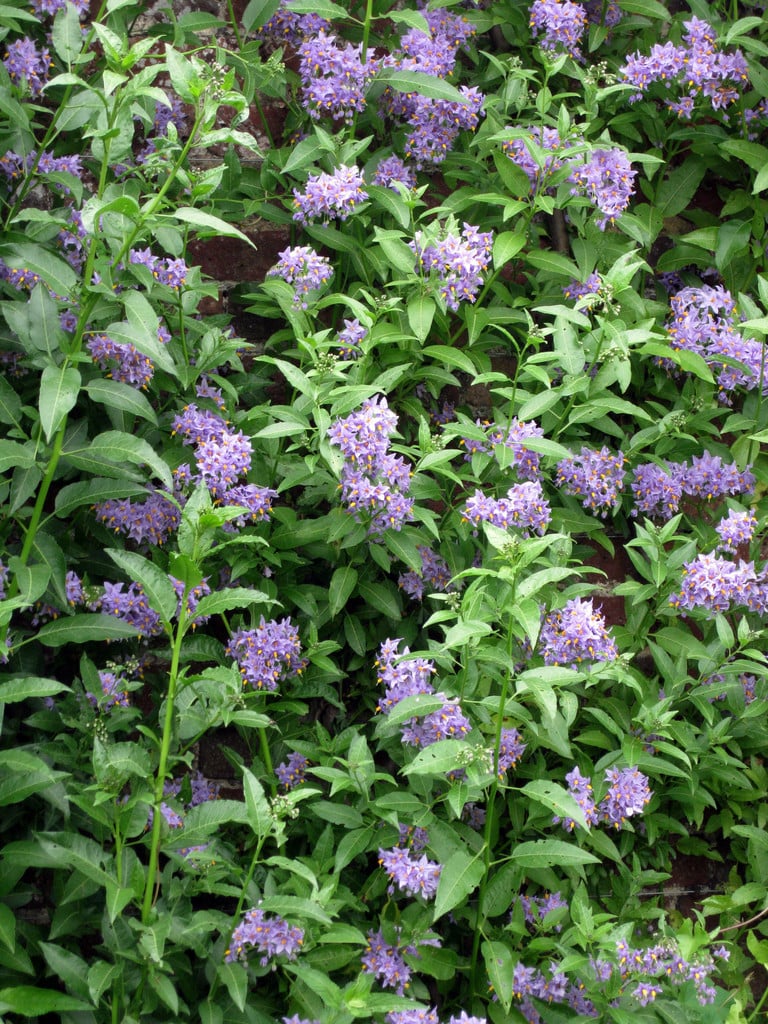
(162, 767)
(233, 23)
(366, 29)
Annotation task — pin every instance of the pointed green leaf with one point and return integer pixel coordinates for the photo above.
(83, 628)
(343, 582)
(546, 853)
(260, 817)
(155, 583)
(29, 1001)
(460, 876)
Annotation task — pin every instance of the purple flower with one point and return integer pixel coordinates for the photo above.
(288, 26)
(607, 180)
(737, 529)
(334, 78)
(3, 580)
(449, 722)
(645, 993)
(113, 692)
(578, 290)
(269, 935)
(131, 606)
(458, 261)
(386, 963)
(595, 477)
(511, 750)
(414, 877)
(146, 522)
(435, 124)
(414, 837)
(50, 7)
(25, 63)
(576, 634)
(73, 588)
(329, 195)
(536, 908)
(628, 794)
(304, 269)
(268, 654)
(291, 773)
(580, 788)
(717, 584)
(350, 337)
(391, 171)
(123, 360)
(222, 461)
(198, 425)
(411, 1017)
(524, 508)
(256, 500)
(657, 491)
(561, 23)
(401, 675)
(434, 571)
(537, 153)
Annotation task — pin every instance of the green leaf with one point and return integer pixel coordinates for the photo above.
(229, 598)
(184, 77)
(28, 687)
(556, 798)
(752, 154)
(260, 816)
(421, 313)
(67, 34)
(7, 927)
(100, 978)
(337, 814)
(676, 191)
(343, 582)
(13, 454)
(439, 758)
(92, 492)
(54, 272)
(761, 181)
(421, 84)
(547, 853)
(206, 818)
(29, 1001)
(235, 979)
(449, 356)
(59, 388)
(649, 8)
(155, 583)
(10, 404)
(500, 964)
(208, 224)
(460, 876)
(383, 597)
(506, 245)
(117, 447)
(116, 395)
(322, 8)
(83, 628)
(553, 263)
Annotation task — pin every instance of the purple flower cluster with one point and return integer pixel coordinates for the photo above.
(302, 267)
(170, 272)
(50, 7)
(524, 508)
(718, 585)
(558, 25)
(576, 634)
(113, 691)
(327, 196)
(525, 460)
(14, 166)
(697, 65)
(392, 171)
(628, 795)
(287, 26)
(578, 290)
(659, 490)
(386, 963)
(434, 572)
(529, 984)
(511, 749)
(703, 320)
(334, 77)
(538, 154)
(414, 837)
(736, 530)
(350, 337)
(594, 476)
(607, 180)
(122, 359)
(267, 655)
(448, 722)
(459, 261)
(145, 522)
(536, 908)
(291, 773)
(131, 606)
(374, 482)
(413, 876)
(269, 935)
(25, 63)
(663, 961)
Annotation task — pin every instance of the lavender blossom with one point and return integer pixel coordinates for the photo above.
(301, 267)
(576, 634)
(271, 936)
(449, 722)
(628, 795)
(350, 337)
(607, 180)
(25, 63)
(386, 963)
(145, 522)
(580, 788)
(511, 749)
(538, 154)
(392, 171)
(401, 675)
(328, 196)
(657, 491)
(594, 476)
(414, 877)
(334, 77)
(291, 773)
(434, 572)
(737, 529)
(113, 692)
(458, 261)
(716, 585)
(524, 508)
(561, 23)
(267, 655)
(131, 606)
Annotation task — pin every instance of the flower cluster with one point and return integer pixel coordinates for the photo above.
(334, 77)
(538, 154)
(287, 26)
(14, 166)
(536, 908)
(736, 530)
(607, 180)
(718, 585)
(525, 460)
(113, 692)
(579, 290)
(392, 171)
(123, 361)
(664, 961)
(329, 195)
(628, 795)
(386, 963)
(658, 490)
(292, 773)
(146, 522)
(459, 261)
(511, 749)
(697, 65)
(434, 572)
(267, 655)
(703, 320)
(374, 482)
(350, 337)
(50, 7)
(131, 606)
(25, 63)
(413, 876)
(594, 476)
(170, 272)
(524, 507)
(269, 935)
(303, 268)
(558, 25)
(576, 634)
